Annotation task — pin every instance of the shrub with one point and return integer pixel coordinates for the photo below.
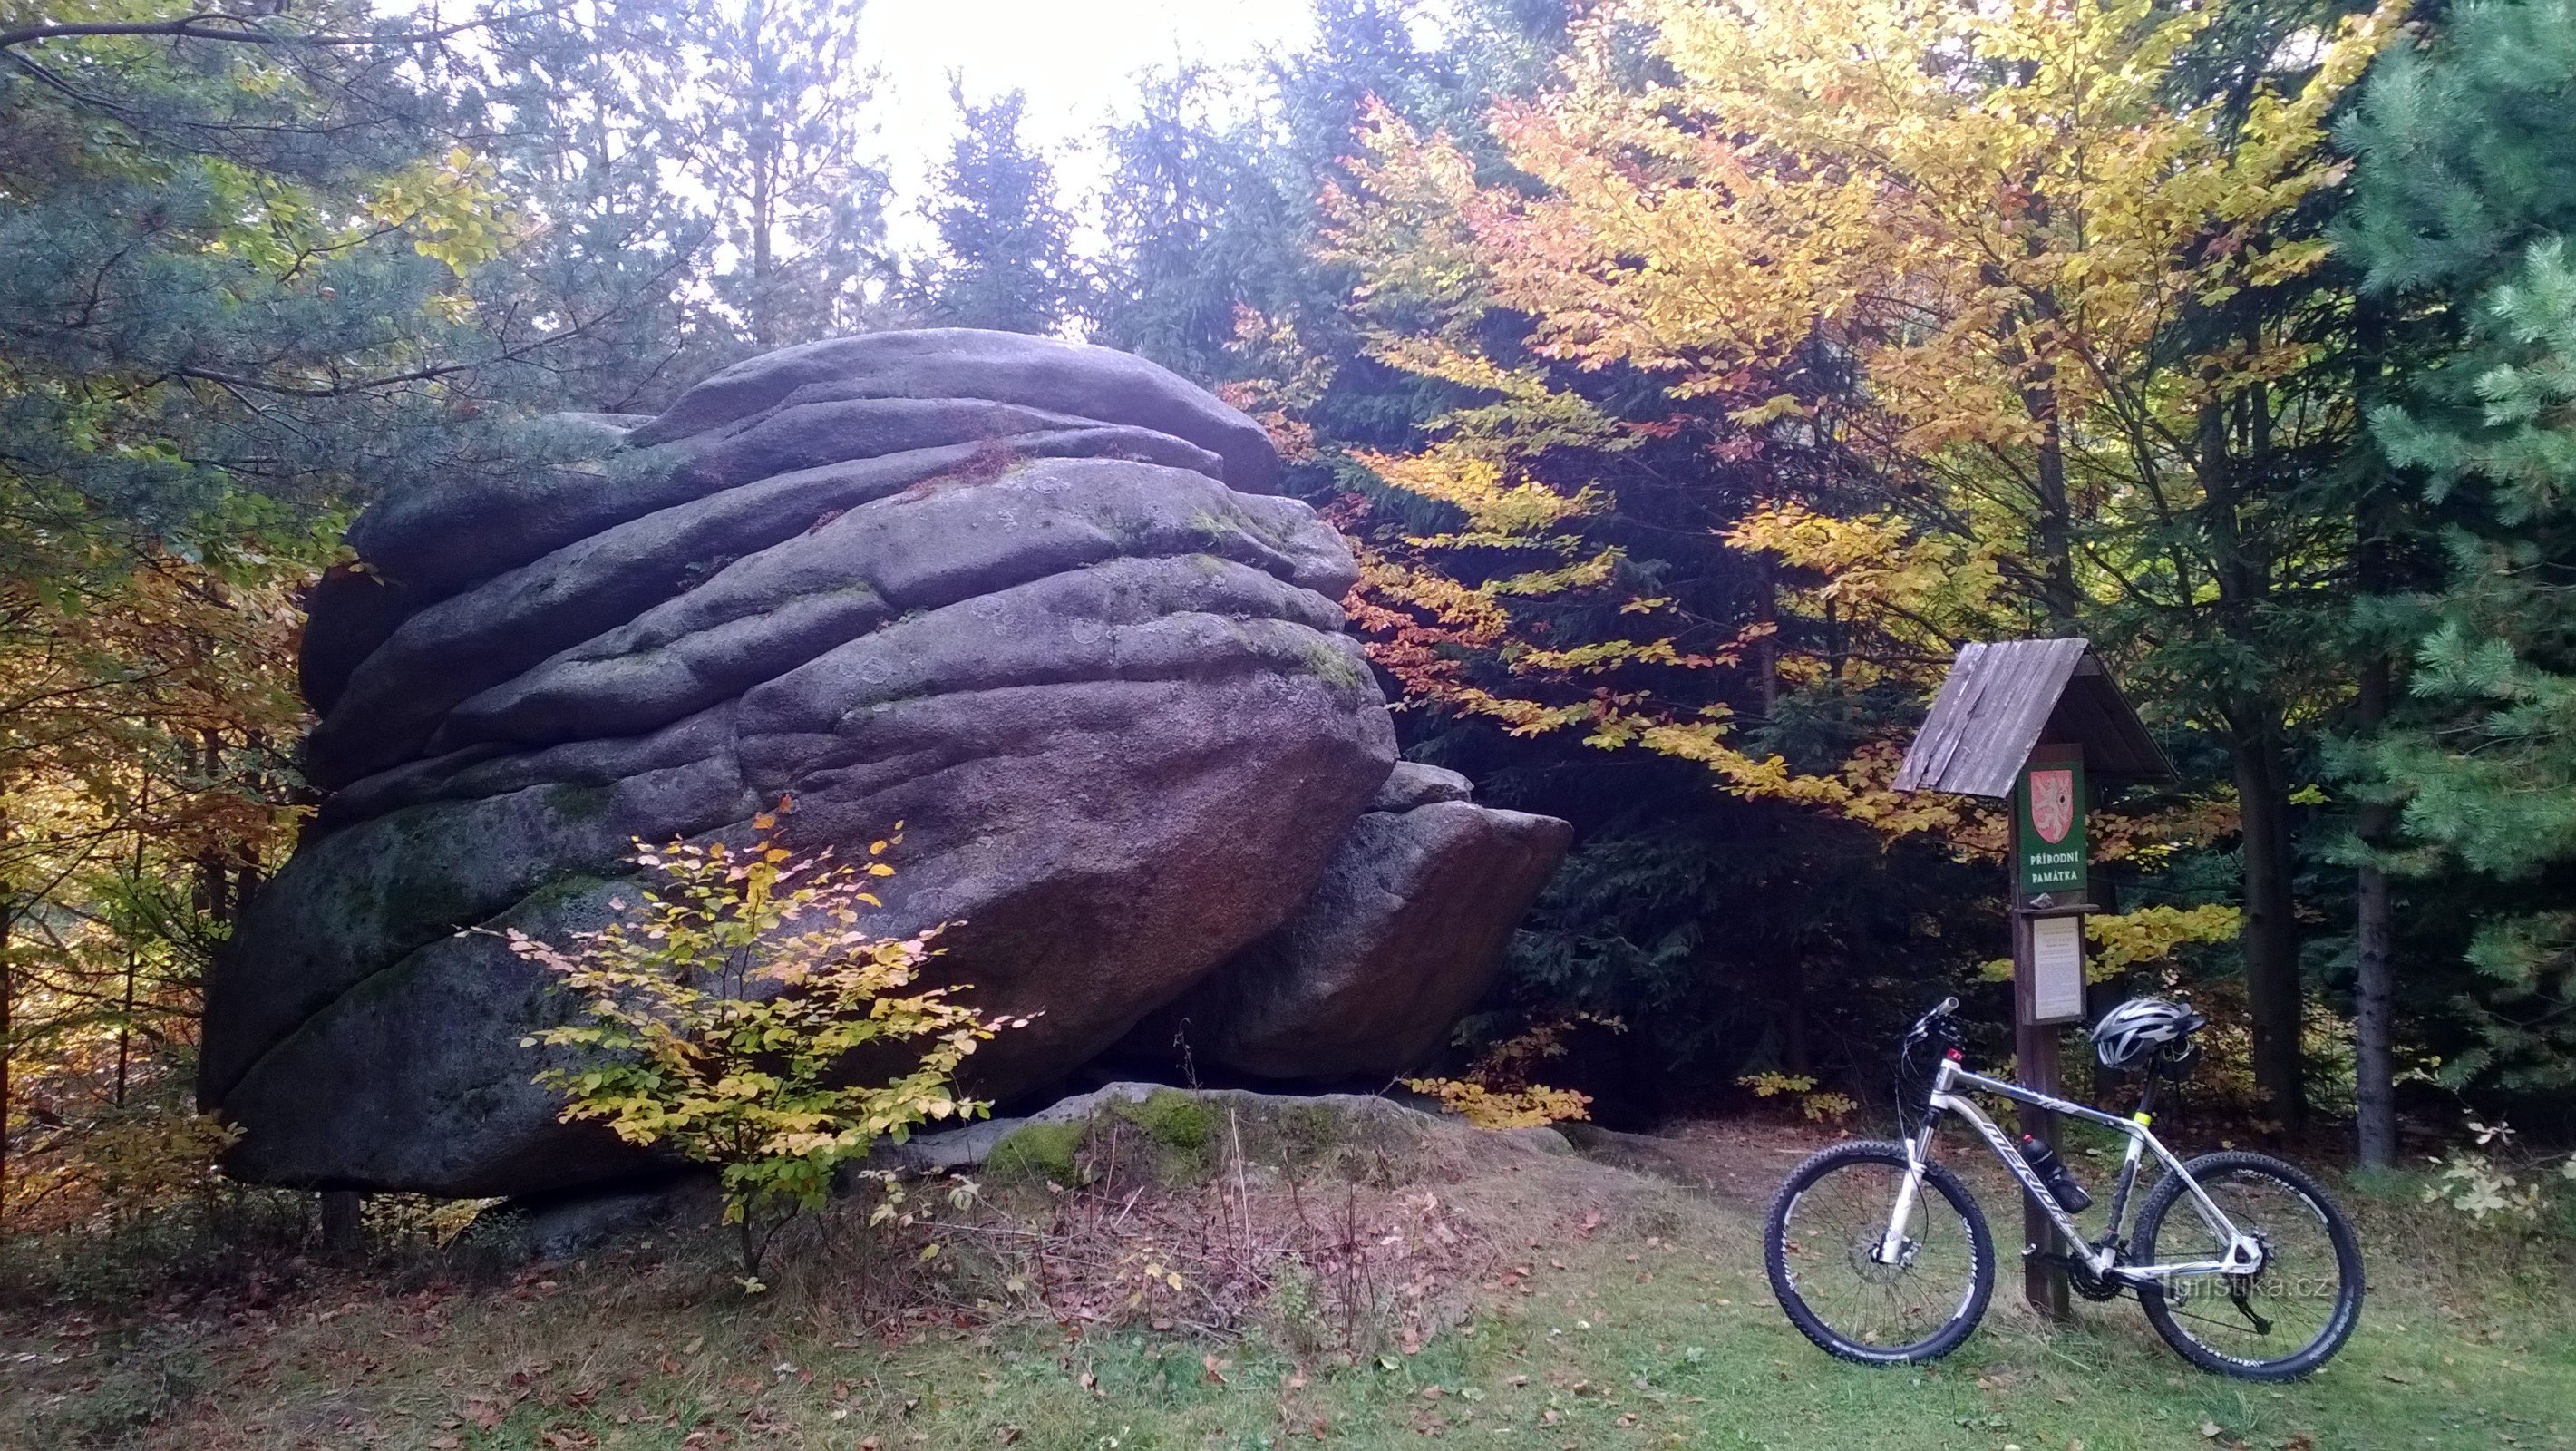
(1501, 1091)
(720, 1014)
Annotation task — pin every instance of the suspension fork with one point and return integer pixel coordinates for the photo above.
(1918, 1153)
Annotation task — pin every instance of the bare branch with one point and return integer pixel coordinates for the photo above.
(247, 30)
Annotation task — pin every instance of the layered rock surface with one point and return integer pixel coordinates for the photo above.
(1038, 601)
(1402, 934)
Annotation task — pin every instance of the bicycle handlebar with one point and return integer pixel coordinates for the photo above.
(1923, 1025)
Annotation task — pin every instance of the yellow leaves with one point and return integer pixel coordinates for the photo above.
(2145, 936)
(1769, 410)
(451, 207)
(1493, 1108)
(1800, 1088)
(719, 1018)
(1930, 178)
(1921, 589)
(2152, 934)
(1993, 214)
(1479, 487)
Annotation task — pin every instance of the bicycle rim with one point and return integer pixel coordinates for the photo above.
(2295, 1303)
(1827, 1233)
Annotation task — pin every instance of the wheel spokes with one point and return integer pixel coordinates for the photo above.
(2280, 1310)
(1830, 1236)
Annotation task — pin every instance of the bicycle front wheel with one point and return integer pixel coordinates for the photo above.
(1821, 1247)
(2278, 1323)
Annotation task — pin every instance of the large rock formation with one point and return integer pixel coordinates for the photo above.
(1037, 600)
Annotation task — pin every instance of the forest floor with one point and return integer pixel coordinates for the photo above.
(1519, 1299)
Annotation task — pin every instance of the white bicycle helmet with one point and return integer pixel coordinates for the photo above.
(2140, 1028)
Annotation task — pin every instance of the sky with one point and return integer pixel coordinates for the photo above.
(1073, 58)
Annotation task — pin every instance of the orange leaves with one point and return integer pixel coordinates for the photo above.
(1926, 261)
(147, 713)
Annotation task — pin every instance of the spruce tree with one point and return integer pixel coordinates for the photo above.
(1005, 258)
(1196, 229)
(2465, 199)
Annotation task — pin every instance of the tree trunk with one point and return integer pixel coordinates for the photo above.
(2374, 1068)
(2056, 518)
(764, 139)
(344, 1228)
(133, 955)
(2374, 984)
(2269, 936)
(1766, 648)
(8, 995)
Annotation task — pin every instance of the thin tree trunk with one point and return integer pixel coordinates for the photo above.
(1794, 1054)
(765, 142)
(1766, 649)
(2269, 936)
(344, 1225)
(2056, 517)
(2374, 1067)
(133, 949)
(8, 1000)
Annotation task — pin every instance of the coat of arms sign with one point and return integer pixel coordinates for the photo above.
(2052, 804)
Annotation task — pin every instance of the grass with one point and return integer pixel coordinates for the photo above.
(1631, 1313)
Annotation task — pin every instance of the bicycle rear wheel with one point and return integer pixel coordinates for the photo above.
(1819, 1248)
(2279, 1323)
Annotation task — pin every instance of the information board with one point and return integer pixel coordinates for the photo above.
(2057, 970)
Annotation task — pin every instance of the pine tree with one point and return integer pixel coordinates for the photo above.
(2465, 202)
(764, 105)
(627, 243)
(238, 246)
(1005, 256)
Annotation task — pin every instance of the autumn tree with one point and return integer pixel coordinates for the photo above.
(2011, 324)
(245, 250)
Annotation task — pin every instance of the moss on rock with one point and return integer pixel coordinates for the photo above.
(1182, 1131)
(1038, 1153)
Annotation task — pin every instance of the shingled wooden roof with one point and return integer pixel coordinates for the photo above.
(2004, 697)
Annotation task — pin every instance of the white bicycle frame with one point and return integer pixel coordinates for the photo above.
(2244, 1255)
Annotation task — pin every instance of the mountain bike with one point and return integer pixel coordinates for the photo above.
(1879, 1254)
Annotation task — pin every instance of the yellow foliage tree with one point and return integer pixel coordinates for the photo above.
(720, 1018)
(2043, 296)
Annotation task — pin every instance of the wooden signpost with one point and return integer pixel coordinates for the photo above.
(2037, 722)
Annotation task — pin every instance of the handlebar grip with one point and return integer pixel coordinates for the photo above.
(1948, 1006)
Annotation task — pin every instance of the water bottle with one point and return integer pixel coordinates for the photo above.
(2053, 1173)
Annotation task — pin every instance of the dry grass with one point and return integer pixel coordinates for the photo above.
(1526, 1300)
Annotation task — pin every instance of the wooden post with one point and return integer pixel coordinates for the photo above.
(2035, 1064)
(2045, 885)
(2019, 720)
